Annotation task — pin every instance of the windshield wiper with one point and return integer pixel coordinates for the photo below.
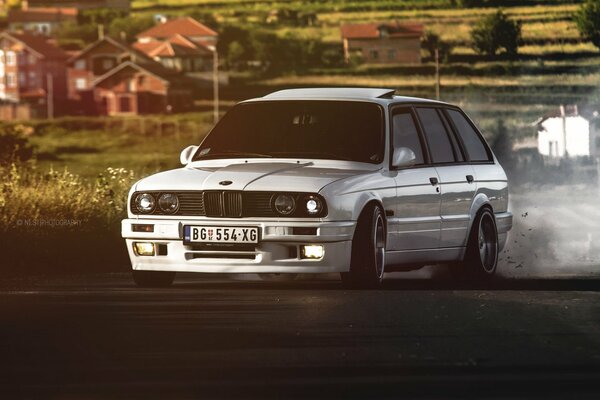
(232, 154)
(307, 154)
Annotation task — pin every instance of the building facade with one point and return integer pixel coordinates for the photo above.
(111, 78)
(383, 43)
(33, 72)
(568, 133)
(42, 21)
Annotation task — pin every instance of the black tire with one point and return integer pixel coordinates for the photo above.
(481, 256)
(367, 265)
(153, 279)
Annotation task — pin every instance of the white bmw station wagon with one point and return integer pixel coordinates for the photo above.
(349, 180)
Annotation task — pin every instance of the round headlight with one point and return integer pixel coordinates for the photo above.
(313, 205)
(145, 202)
(168, 203)
(284, 204)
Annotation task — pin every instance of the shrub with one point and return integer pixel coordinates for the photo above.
(587, 19)
(14, 145)
(495, 32)
(432, 41)
(55, 222)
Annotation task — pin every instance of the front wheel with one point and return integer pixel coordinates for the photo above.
(481, 257)
(367, 265)
(153, 279)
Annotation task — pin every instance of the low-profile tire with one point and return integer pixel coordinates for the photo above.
(481, 256)
(153, 279)
(367, 265)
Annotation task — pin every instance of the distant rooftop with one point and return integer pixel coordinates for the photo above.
(46, 14)
(377, 30)
(184, 26)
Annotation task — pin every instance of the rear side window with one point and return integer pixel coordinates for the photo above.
(476, 149)
(437, 136)
(406, 134)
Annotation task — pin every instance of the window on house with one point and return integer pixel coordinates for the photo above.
(374, 54)
(80, 64)
(130, 85)
(391, 54)
(44, 29)
(141, 80)
(22, 79)
(80, 83)
(21, 58)
(11, 80)
(32, 78)
(31, 59)
(108, 63)
(10, 58)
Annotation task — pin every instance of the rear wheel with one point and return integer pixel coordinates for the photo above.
(481, 258)
(153, 279)
(367, 265)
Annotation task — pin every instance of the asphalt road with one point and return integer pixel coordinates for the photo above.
(100, 337)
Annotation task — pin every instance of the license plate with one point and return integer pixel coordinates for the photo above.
(220, 234)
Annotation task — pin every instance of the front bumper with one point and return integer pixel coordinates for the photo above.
(273, 254)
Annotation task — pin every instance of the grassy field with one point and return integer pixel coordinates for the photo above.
(143, 145)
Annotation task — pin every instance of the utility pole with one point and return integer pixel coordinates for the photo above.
(50, 95)
(437, 74)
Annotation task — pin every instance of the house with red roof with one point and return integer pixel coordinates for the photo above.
(42, 21)
(32, 72)
(110, 77)
(182, 44)
(383, 43)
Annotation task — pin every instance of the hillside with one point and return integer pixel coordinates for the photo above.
(554, 65)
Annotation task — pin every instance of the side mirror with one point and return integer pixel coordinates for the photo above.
(186, 155)
(403, 157)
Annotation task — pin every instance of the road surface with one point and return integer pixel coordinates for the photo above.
(98, 336)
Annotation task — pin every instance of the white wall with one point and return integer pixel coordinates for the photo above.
(551, 139)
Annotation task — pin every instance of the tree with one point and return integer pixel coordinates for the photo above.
(14, 145)
(503, 146)
(495, 32)
(587, 19)
(432, 41)
(129, 26)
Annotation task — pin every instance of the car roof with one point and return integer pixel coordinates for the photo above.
(379, 95)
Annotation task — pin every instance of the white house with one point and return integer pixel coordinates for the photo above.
(567, 133)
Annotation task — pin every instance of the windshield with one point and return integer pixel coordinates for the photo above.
(336, 130)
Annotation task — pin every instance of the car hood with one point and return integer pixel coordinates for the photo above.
(300, 176)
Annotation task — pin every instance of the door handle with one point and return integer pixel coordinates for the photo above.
(433, 180)
(470, 178)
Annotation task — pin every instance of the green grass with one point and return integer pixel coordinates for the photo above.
(137, 144)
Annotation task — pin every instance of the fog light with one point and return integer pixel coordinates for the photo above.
(312, 251)
(143, 248)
